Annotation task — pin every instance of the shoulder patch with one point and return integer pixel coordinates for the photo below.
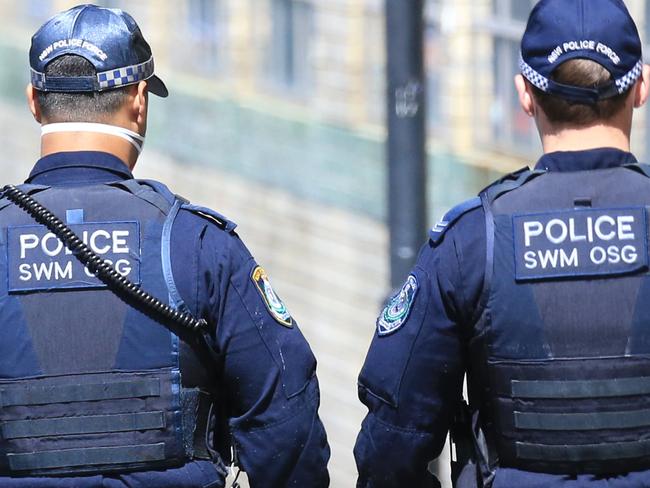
(276, 307)
(451, 217)
(211, 215)
(398, 308)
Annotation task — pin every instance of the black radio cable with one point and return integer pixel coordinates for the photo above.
(95, 264)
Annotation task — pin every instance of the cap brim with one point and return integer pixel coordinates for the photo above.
(157, 87)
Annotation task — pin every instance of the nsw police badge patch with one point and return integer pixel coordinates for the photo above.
(398, 308)
(276, 307)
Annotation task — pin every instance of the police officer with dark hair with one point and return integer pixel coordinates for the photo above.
(538, 290)
(96, 387)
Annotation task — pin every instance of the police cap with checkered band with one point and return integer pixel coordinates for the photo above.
(108, 38)
(599, 30)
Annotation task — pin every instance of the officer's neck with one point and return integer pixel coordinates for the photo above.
(613, 132)
(131, 115)
(89, 141)
(585, 138)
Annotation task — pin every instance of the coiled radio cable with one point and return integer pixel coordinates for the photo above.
(95, 264)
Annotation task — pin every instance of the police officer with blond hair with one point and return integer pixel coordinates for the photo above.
(538, 290)
(186, 362)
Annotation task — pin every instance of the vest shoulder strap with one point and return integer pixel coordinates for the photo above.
(31, 189)
(153, 192)
(500, 187)
(162, 197)
(27, 188)
(492, 192)
(642, 168)
(510, 182)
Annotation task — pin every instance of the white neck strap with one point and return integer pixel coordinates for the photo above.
(136, 140)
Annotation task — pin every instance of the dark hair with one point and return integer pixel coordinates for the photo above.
(585, 73)
(77, 107)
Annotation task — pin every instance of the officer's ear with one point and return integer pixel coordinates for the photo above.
(525, 96)
(142, 102)
(642, 87)
(140, 105)
(32, 102)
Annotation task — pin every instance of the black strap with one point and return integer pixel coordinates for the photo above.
(582, 453)
(204, 426)
(91, 424)
(619, 387)
(489, 258)
(487, 196)
(45, 395)
(582, 421)
(196, 406)
(92, 456)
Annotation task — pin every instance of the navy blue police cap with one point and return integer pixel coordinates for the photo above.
(599, 30)
(109, 38)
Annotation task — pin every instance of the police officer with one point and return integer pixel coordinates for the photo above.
(538, 290)
(95, 389)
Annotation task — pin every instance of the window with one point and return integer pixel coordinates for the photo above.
(288, 60)
(435, 59)
(642, 142)
(509, 126)
(206, 25)
(199, 42)
(110, 4)
(38, 10)
(646, 22)
(374, 65)
(520, 9)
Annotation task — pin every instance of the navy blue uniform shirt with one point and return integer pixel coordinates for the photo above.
(268, 394)
(412, 378)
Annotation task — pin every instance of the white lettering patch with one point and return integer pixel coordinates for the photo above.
(580, 243)
(72, 43)
(38, 260)
(584, 45)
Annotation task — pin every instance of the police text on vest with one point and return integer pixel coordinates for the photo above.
(37, 259)
(580, 243)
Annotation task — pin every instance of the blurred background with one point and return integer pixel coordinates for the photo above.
(277, 118)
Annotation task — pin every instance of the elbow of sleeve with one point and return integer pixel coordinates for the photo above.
(388, 456)
(292, 451)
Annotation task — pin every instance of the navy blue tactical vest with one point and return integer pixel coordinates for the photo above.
(561, 355)
(88, 383)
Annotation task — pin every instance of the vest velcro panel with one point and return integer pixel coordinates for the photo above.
(82, 423)
(568, 416)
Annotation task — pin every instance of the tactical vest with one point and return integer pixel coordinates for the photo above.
(88, 383)
(561, 355)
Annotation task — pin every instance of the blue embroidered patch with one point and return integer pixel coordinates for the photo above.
(276, 307)
(578, 243)
(38, 260)
(398, 308)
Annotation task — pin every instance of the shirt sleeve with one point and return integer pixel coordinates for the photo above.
(412, 378)
(268, 389)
